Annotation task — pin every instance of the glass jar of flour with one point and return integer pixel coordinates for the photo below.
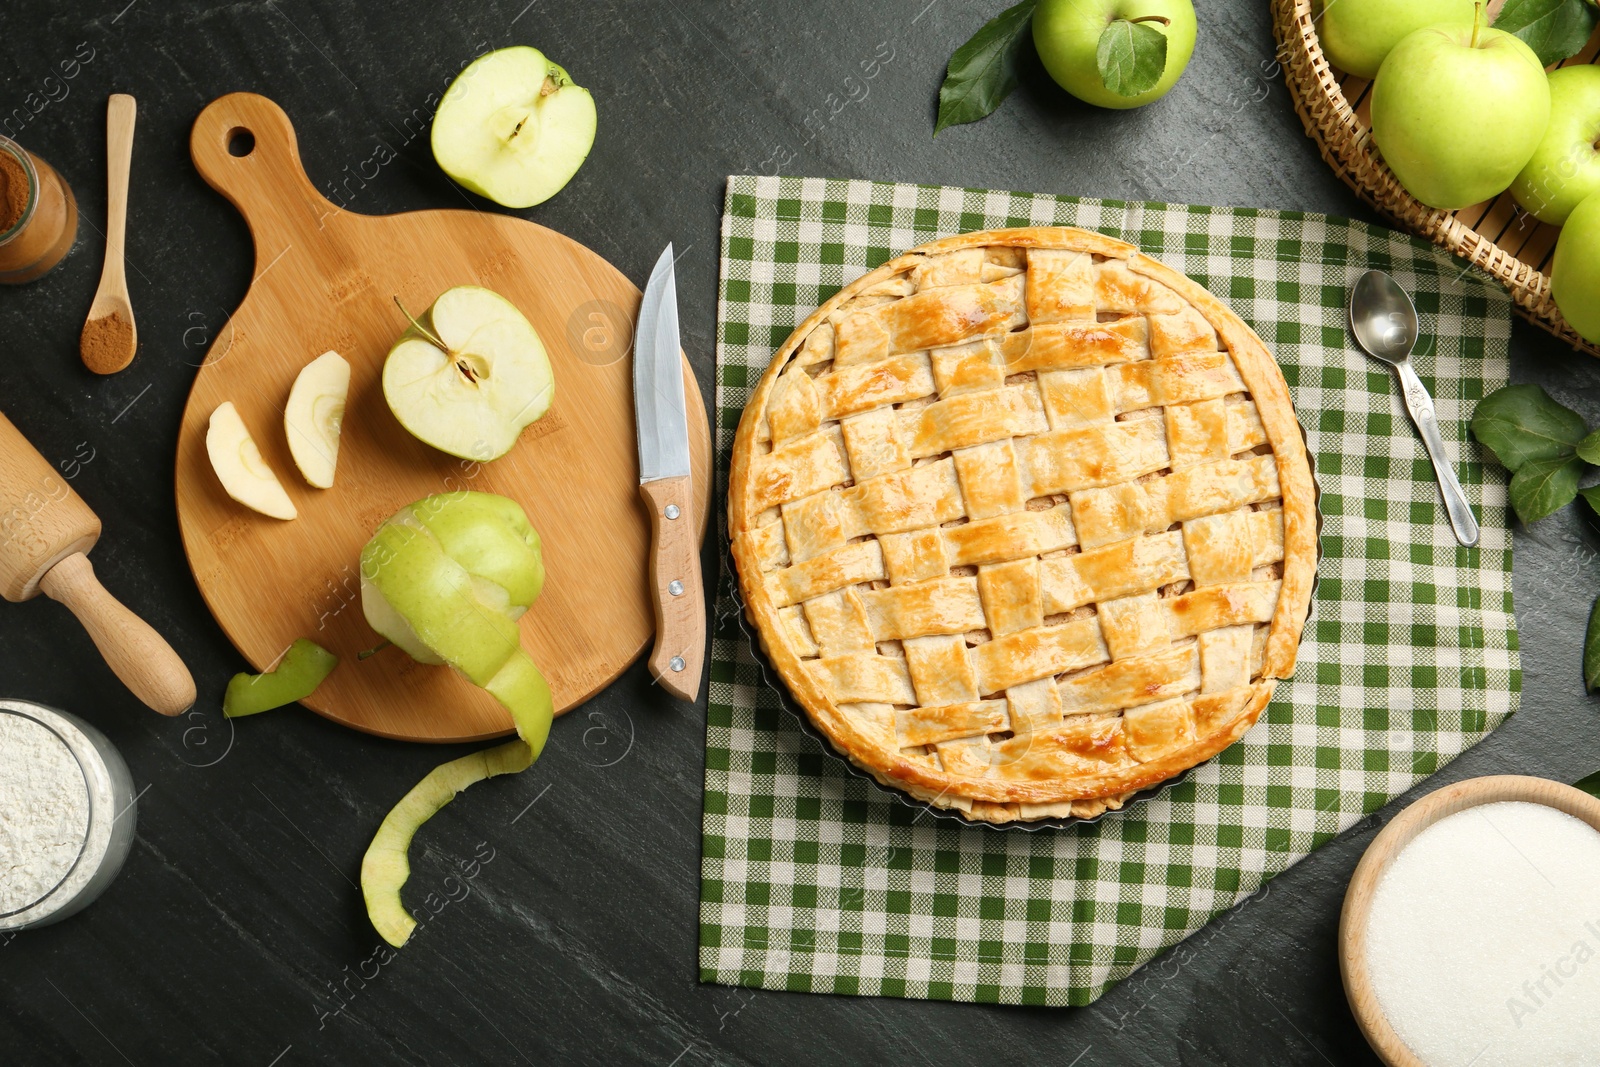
(66, 814)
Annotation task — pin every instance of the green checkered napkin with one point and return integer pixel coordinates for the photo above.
(815, 879)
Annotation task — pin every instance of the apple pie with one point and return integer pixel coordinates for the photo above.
(1024, 521)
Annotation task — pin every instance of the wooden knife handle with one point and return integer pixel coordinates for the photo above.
(137, 654)
(680, 651)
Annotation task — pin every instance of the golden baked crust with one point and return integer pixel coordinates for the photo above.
(1024, 521)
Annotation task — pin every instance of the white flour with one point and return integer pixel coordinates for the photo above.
(44, 811)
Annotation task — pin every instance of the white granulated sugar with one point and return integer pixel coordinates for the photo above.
(1483, 942)
(44, 811)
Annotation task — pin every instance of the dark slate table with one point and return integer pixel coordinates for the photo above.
(237, 917)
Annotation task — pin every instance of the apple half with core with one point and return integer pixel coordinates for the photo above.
(239, 466)
(1115, 53)
(313, 416)
(1457, 111)
(1565, 168)
(469, 375)
(513, 127)
(1356, 35)
(446, 580)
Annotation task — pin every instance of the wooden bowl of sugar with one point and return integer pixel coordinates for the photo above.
(1471, 929)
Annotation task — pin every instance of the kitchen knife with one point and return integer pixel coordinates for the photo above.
(664, 483)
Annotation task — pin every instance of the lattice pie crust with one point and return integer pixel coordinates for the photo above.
(1025, 523)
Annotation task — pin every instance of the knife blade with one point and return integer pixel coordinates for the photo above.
(666, 487)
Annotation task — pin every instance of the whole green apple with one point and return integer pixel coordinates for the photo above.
(1575, 272)
(1067, 35)
(1565, 168)
(1457, 111)
(1356, 35)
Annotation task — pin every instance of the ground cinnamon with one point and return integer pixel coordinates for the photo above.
(13, 191)
(38, 217)
(106, 344)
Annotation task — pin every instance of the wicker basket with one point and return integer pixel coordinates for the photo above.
(1495, 236)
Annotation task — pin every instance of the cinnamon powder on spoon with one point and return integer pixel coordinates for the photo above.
(13, 191)
(106, 343)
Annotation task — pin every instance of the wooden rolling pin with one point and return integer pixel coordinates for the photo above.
(46, 531)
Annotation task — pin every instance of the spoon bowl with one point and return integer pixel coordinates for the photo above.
(1382, 317)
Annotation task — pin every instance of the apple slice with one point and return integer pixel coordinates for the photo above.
(312, 418)
(513, 127)
(469, 375)
(240, 468)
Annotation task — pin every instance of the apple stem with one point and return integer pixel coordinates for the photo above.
(429, 334)
(1153, 18)
(374, 650)
(1477, 20)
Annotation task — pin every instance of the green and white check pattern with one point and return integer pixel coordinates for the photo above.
(814, 879)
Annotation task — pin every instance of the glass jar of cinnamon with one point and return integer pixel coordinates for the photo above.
(38, 216)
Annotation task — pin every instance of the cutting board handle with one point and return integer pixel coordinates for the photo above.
(244, 146)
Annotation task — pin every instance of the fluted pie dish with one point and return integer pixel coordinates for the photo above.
(1024, 521)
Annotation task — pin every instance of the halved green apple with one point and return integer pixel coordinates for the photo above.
(312, 418)
(469, 375)
(513, 127)
(240, 468)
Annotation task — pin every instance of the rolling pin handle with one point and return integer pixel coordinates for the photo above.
(137, 654)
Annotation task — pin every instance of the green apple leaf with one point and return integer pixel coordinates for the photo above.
(1132, 56)
(1520, 423)
(1589, 448)
(1592, 495)
(982, 72)
(1543, 486)
(1590, 785)
(1591, 660)
(1554, 29)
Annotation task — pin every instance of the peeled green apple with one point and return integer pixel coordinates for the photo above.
(1069, 37)
(1457, 111)
(513, 127)
(312, 418)
(1575, 271)
(239, 466)
(1356, 35)
(446, 580)
(469, 375)
(1565, 168)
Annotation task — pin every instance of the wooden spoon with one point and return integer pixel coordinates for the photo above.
(109, 337)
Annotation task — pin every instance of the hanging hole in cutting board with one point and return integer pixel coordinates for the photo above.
(241, 142)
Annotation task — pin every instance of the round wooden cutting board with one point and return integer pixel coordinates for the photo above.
(327, 278)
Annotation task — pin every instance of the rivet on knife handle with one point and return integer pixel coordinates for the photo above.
(676, 592)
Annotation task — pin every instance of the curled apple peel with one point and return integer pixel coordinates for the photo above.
(446, 580)
(303, 667)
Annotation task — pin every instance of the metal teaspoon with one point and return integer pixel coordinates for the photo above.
(1385, 324)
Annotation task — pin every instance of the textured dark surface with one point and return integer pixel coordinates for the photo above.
(237, 915)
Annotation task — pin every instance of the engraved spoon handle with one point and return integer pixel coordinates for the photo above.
(1420, 405)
